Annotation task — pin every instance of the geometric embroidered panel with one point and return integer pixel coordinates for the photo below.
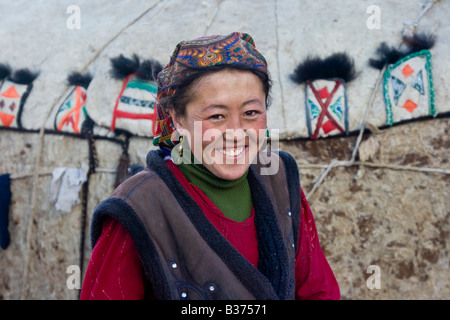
(72, 112)
(134, 109)
(12, 97)
(397, 88)
(408, 88)
(326, 108)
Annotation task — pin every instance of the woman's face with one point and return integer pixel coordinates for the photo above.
(225, 121)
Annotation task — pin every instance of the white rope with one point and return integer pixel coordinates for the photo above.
(334, 163)
(375, 165)
(48, 173)
(413, 24)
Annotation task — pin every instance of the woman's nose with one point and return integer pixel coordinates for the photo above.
(235, 134)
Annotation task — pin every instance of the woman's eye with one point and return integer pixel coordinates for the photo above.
(216, 117)
(251, 113)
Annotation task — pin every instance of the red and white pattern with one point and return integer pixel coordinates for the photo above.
(326, 108)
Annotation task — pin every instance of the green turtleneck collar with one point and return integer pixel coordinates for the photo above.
(232, 197)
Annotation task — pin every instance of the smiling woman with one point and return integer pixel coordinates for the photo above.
(226, 119)
(206, 219)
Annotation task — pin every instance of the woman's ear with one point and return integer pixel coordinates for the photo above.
(176, 120)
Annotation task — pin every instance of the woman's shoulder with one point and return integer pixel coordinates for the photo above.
(287, 158)
(124, 204)
(269, 163)
(133, 183)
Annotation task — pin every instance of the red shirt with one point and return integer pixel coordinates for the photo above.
(115, 270)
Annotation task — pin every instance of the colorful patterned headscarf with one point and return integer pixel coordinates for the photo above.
(188, 57)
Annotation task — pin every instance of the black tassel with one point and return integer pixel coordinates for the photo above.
(123, 67)
(420, 41)
(78, 79)
(148, 70)
(389, 55)
(24, 76)
(338, 65)
(386, 55)
(5, 71)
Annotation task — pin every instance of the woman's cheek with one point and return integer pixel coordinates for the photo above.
(212, 139)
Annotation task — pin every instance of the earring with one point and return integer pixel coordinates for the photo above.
(268, 141)
(180, 151)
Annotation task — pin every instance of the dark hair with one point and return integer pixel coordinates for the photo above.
(180, 99)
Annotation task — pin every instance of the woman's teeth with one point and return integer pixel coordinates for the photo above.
(232, 152)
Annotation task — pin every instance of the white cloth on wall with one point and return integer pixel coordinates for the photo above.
(65, 186)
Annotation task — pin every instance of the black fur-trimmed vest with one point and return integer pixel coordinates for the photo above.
(185, 256)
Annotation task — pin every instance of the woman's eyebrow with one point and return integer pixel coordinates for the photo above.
(252, 101)
(221, 106)
(214, 106)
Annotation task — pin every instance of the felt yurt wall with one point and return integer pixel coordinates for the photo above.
(372, 148)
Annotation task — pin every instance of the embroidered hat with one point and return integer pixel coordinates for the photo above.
(189, 56)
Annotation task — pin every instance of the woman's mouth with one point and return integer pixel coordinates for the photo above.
(231, 152)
